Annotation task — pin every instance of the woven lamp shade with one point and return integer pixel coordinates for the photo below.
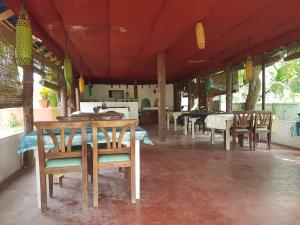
(249, 68)
(23, 39)
(200, 35)
(68, 71)
(81, 84)
(207, 85)
(90, 89)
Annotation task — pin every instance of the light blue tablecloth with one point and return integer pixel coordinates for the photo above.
(29, 141)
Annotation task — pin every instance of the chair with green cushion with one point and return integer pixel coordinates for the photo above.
(115, 153)
(61, 157)
(242, 124)
(262, 124)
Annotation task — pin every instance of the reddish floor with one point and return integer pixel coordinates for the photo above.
(183, 181)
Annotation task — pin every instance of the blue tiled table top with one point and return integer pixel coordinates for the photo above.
(29, 141)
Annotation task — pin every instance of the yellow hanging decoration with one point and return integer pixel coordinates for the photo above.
(249, 68)
(200, 36)
(81, 84)
(23, 39)
(68, 70)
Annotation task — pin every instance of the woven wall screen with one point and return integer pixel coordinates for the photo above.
(10, 84)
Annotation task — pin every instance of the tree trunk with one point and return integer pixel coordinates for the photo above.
(254, 90)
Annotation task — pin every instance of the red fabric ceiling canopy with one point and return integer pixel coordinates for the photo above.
(118, 40)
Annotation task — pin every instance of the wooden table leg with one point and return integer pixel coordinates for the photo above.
(228, 139)
(185, 125)
(37, 178)
(168, 121)
(137, 170)
(175, 123)
(193, 120)
(212, 137)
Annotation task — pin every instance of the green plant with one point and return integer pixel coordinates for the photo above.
(53, 98)
(44, 93)
(13, 121)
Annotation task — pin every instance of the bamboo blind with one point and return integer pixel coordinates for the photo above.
(10, 84)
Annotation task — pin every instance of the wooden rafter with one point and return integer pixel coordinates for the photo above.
(6, 14)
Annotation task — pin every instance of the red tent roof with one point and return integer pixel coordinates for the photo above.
(118, 40)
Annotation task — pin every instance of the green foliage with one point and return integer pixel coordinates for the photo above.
(53, 98)
(13, 121)
(286, 77)
(44, 93)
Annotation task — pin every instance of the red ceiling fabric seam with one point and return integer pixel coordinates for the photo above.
(141, 52)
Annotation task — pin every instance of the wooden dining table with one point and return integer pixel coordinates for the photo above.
(29, 143)
(220, 122)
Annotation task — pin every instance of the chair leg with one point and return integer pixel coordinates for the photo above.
(233, 141)
(250, 141)
(60, 181)
(43, 193)
(128, 177)
(90, 164)
(132, 184)
(50, 179)
(269, 140)
(95, 185)
(254, 141)
(241, 139)
(84, 188)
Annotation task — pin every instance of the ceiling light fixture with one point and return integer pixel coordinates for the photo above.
(200, 35)
(248, 64)
(197, 61)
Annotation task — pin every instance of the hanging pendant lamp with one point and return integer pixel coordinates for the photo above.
(68, 70)
(23, 39)
(81, 84)
(249, 64)
(200, 35)
(90, 89)
(207, 85)
(249, 68)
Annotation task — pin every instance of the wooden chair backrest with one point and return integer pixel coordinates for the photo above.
(242, 119)
(62, 135)
(263, 119)
(114, 143)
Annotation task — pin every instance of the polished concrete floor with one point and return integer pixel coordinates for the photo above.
(183, 181)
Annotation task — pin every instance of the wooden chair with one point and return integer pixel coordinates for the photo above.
(61, 157)
(242, 124)
(115, 154)
(262, 124)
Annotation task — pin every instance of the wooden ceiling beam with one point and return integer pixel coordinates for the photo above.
(292, 56)
(6, 14)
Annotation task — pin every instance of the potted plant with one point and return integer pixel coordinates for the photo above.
(44, 93)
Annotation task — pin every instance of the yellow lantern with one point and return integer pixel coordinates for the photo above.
(200, 36)
(81, 84)
(68, 70)
(23, 39)
(249, 68)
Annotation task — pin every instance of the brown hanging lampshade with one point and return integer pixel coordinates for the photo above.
(23, 39)
(249, 68)
(200, 35)
(81, 84)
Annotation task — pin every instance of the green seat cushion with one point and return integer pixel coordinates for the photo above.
(262, 129)
(114, 158)
(52, 163)
(242, 130)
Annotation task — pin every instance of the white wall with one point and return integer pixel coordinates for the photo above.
(10, 160)
(100, 93)
(281, 134)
